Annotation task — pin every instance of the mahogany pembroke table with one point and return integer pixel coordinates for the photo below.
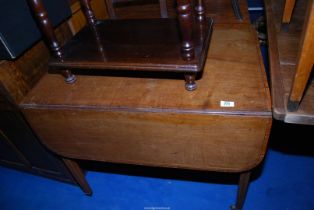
(222, 126)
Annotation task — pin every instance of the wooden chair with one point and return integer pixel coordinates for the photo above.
(133, 45)
(305, 60)
(288, 9)
(111, 7)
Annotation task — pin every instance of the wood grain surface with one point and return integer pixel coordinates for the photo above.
(193, 141)
(154, 121)
(222, 81)
(136, 45)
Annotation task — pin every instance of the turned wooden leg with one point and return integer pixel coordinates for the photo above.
(305, 60)
(287, 13)
(236, 9)
(69, 78)
(200, 10)
(48, 31)
(190, 82)
(242, 190)
(186, 26)
(88, 12)
(78, 175)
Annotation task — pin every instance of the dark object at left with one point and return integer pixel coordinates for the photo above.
(18, 29)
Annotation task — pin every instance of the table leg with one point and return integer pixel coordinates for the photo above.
(242, 190)
(200, 10)
(88, 12)
(186, 26)
(305, 60)
(287, 13)
(47, 29)
(78, 175)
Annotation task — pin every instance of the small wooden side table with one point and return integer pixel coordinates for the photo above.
(222, 126)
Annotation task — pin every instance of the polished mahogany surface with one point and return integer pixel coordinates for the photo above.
(221, 126)
(150, 44)
(151, 121)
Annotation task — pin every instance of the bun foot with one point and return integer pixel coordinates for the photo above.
(70, 79)
(190, 83)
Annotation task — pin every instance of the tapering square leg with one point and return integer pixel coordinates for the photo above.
(305, 60)
(242, 190)
(287, 13)
(78, 175)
